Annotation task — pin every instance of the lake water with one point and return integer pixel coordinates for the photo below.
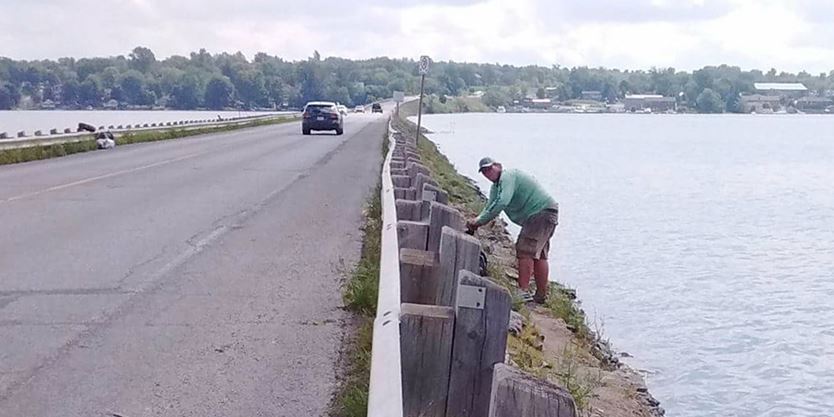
(12, 121)
(704, 244)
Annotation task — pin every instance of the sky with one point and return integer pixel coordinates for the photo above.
(789, 35)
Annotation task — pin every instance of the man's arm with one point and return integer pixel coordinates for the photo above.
(498, 201)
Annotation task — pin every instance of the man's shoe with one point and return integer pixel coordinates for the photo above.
(539, 298)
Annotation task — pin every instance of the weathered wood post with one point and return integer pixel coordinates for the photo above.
(458, 252)
(405, 193)
(409, 210)
(515, 393)
(480, 342)
(401, 181)
(426, 351)
(416, 270)
(434, 193)
(442, 215)
(412, 235)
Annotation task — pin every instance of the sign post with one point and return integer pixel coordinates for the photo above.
(424, 69)
(399, 97)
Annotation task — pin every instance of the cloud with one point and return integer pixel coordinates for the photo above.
(636, 34)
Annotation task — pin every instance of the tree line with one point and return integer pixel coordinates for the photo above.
(218, 81)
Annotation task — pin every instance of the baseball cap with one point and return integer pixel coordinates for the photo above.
(485, 162)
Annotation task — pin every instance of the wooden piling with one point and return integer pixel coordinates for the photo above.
(412, 234)
(442, 215)
(458, 252)
(416, 269)
(480, 342)
(426, 350)
(515, 393)
(401, 181)
(433, 193)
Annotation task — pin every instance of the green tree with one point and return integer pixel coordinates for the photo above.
(142, 59)
(9, 96)
(90, 93)
(185, 94)
(495, 97)
(540, 92)
(70, 92)
(709, 102)
(219, 93)
(132, 85)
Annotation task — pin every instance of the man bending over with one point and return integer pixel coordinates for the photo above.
(528, 205)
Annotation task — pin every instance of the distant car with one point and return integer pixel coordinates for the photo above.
(376, 108)
(359, 109)
(342, 109)
(322, 115)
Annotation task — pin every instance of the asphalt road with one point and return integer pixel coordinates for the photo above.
(194, 277)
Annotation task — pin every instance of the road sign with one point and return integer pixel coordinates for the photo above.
(424, 64)
(399, 96)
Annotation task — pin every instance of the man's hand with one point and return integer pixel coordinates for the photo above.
(471, 226)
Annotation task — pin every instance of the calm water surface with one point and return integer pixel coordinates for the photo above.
(12, 121)
(705, 244)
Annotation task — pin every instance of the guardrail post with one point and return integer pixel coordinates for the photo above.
(412, 235)
(421, 179)
(441, 215)
(458, 252)
(480, 342)
(67, 130)
(515, 393)
(401, 181)
(38, 133)
(405, 193)
(416, 270)
(415, 168)
(53, 131)
(434, 193)
(4, 135)
(426, 350)
(21, 134)
(409, 210)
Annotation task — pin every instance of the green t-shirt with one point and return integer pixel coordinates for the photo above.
(517, 194)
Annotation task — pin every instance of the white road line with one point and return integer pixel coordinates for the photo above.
(100, 177)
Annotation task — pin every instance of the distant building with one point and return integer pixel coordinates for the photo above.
(111, 105)
(813, 104)
(653, 102)
(541, 103)
(760, 103)
(786, 90)
(48, 105)
(592, 95)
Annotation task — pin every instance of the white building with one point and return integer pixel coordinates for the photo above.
(781, 89)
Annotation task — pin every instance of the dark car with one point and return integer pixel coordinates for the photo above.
(376, 108)
(322, 115)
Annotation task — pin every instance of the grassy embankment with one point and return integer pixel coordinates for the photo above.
(434, 104)
(525, 348)
(360, 297)
(88, 143)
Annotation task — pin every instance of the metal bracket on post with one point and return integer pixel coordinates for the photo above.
(470, 296)
(429, 195)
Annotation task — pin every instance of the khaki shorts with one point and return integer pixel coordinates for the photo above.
(534, 239)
